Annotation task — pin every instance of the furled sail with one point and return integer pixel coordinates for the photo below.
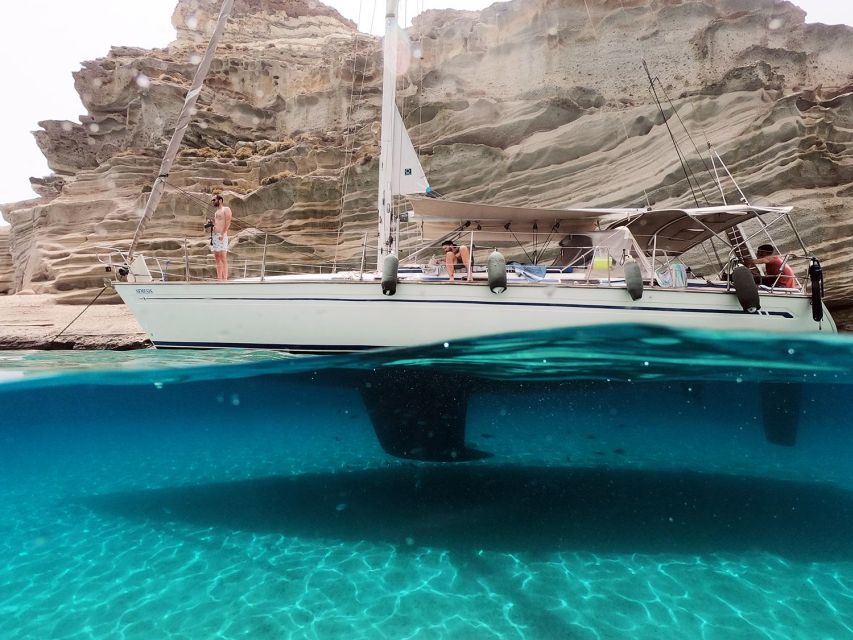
(400, 172)
(408, 175)
(187, 112)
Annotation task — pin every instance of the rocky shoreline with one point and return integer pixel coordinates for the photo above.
(37, 322)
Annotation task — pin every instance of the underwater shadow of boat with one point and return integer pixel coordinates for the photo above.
(520, 509)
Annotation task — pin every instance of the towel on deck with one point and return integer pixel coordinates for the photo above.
(530, 272)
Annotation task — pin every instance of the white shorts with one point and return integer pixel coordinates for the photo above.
(217, 245)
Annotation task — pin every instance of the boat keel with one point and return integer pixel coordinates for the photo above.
(419, 415)
(780, 410)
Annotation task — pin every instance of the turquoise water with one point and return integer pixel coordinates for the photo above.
(631, 493)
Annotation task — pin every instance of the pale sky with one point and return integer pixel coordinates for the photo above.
(43, 41)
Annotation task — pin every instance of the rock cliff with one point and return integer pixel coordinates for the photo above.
(535, 102)
(6, 268)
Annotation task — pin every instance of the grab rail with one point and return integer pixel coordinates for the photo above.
(590, 263)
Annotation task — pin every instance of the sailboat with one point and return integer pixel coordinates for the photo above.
(618, 265)
(601, 266)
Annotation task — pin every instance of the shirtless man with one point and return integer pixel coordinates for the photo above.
(219, 240)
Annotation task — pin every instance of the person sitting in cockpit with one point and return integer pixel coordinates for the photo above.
(778, 273)
(453, 254)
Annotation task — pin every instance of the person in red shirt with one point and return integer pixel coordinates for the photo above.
(778, 273)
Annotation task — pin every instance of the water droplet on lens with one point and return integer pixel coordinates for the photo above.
(446, 345)
(791, 351)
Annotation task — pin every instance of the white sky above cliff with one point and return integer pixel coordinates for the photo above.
(43, 41)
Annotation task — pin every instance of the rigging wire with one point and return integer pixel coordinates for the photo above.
(349, 146)
(692, 141)
(349, 141)
(187, 194)
(631, 148)
(681, 158)
(547, 241)
(591, 23)
(419, 9)
(243, 224)
(734, 235)
(421, 78)
(508, 227)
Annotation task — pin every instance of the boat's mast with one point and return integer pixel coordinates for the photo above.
(184, 118)
(385, 202)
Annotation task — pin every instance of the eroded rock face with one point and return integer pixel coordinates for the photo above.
(527, 102)
(7, 278)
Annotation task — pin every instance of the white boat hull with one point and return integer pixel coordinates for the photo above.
(304, 315)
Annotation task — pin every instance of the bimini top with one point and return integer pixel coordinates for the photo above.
(677, 230)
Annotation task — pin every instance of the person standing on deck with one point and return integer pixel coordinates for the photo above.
(219, 239)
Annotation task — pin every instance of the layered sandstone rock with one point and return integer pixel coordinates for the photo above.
(7, 272)
(533, 102)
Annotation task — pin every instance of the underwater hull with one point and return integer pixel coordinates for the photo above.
(329, 316)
